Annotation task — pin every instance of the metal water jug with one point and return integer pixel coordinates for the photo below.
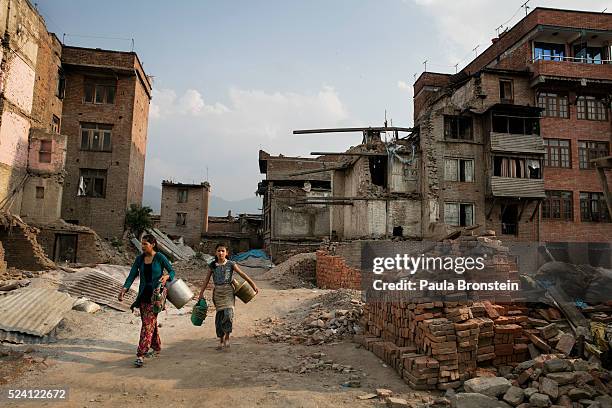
(178, 293)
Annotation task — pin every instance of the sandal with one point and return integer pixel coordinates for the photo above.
(139, 362)
(219, 347)
(152, 353)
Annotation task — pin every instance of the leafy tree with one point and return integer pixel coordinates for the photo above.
(138, 219)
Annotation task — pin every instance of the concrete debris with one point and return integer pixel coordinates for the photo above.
(7, 286)
(86, 305)
(333, 317)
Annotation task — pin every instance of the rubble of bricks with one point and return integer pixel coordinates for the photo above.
(333, 273)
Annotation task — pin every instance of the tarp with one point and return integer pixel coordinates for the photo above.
(255, 253)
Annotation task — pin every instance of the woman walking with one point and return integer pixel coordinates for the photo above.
(222, 271)
(149, 266)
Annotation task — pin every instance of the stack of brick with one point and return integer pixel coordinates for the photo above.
(333, 272)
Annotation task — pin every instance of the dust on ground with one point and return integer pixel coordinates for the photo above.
(94, 353)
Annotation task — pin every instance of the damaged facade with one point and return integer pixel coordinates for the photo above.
(289, 222)
(184, 210)
(507, 143)
(241, 233)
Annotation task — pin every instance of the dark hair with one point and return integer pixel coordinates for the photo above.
(222, 245)
(213, 264)
(150, 239)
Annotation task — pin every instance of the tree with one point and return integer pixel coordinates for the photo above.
(138, 219)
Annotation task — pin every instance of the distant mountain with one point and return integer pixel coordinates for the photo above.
(218, 207)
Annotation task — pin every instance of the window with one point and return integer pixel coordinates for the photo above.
(588, 55)
(591, 108)
(44, 154)
(99, 93)
(554, 105)
(516, 167)
(588, 151)
(92, 183)
(548, 51)
(509, 219)
(60, 92)
(459, 214)
(458, 127)
(181, 218)
(40, 192)
(182, 195)
(459, 170)
(557, 153)
(96, 137)
(505, 90)
(593, 208)
(558, 205)
(55, 124)
(516, 124)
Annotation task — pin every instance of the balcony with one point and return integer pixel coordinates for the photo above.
(569, 67)
(516, 143)
(517, 187)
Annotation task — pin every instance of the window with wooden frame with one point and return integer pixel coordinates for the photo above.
(593, 208)
(557, 153)
(558, 205)
(60, 90)
(514, 124)
(181, 219)
(554, 105)
(55, 124)
(459, 170)
(44, 154)
(96, 137)
(591, 108)
(92, 183)
(506, 91)
(517, 167)
(458, 127)
(182, 195)
(40, 192)
(589, 150)
(99, 91)
(459, 214)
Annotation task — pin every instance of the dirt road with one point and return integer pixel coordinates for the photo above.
(93, 359)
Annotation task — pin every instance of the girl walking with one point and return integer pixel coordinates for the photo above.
(149, 266)
(222, 271)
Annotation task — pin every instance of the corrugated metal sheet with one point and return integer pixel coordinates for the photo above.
(505, 142)
(34, 311)
(98, 287)
(517, 187)
(21, 338)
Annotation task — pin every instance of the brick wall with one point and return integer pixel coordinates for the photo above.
(22, 250)
(194, 209)
(334, 273)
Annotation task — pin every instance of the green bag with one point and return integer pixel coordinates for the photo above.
(198, 314)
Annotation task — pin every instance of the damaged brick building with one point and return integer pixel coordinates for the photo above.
(507, 142)
(184, 210)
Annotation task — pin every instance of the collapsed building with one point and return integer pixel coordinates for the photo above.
(288, 222)
(241, 233)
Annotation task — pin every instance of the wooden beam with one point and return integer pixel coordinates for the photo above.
(301, 173)
(535, 210)
(604, 182)
(354, 129)
(522, 209)
(348, 154)
(491, 209)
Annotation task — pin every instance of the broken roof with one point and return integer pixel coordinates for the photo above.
(280, 168)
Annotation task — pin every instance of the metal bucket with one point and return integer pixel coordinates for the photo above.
(243, 290)
(178, 293)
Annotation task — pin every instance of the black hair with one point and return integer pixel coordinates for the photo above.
(150, 239)
(213, 264)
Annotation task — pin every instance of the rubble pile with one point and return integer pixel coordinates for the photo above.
(333, 316)
(296, 272)
(547, 380)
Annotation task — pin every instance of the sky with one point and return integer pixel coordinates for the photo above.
(233, 77)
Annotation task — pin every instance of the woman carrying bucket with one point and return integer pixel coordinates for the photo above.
(149, 266)
(222, 271)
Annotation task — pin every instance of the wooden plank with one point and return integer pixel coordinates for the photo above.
(604, 182)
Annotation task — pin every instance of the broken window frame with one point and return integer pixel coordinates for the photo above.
(512, 125)
(458, 127)
(45, 150)
(590, 107)
(96, 137)
(516, 167)
(182, 195)
(589, 150)
(554, 105)
(506, 90)
(593, 207)
(464, 214)
(60, 90)
(181, 219)
(558, 205)
(94, 183)
(557, 153)
(461, 173)
(99, 92)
